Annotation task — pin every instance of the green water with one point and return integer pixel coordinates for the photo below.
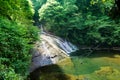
(84, 64)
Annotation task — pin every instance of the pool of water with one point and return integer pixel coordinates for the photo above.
(83, 65)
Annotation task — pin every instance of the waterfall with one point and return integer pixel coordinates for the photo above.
(65, 45)
(50, 50)
(41, 28)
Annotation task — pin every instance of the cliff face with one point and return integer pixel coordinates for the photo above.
(47, 51)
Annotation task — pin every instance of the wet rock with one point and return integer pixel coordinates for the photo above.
(47, 52)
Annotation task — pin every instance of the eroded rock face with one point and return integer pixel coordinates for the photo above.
(46, 52)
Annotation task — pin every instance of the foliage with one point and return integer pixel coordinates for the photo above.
(18, 10)
(8, 73)
(103, 5)
(51, 9)
(17, 34)
(14, 49)
(56, 17)
(83, 22)
(36, 5)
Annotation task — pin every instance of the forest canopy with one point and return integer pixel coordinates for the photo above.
(83, 22)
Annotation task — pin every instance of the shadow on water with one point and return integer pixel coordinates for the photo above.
(51, 72)
(96, 54)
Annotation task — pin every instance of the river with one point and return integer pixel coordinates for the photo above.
(98, 65)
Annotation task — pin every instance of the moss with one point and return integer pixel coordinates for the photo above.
(108, 73)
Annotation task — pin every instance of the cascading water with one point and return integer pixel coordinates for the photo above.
(50, 50)
(66, 46)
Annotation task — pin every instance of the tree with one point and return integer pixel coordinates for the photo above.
(19, 11)
(17, 34)
(14, 49)
(83, 22)
(36, 5)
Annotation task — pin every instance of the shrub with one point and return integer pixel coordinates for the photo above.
(14, 47)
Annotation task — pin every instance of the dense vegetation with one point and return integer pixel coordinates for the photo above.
(83, 22)
(37, 5)
(16, 37)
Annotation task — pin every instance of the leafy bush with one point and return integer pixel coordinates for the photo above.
(19, 11)
(14, 47)
(8, 73)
